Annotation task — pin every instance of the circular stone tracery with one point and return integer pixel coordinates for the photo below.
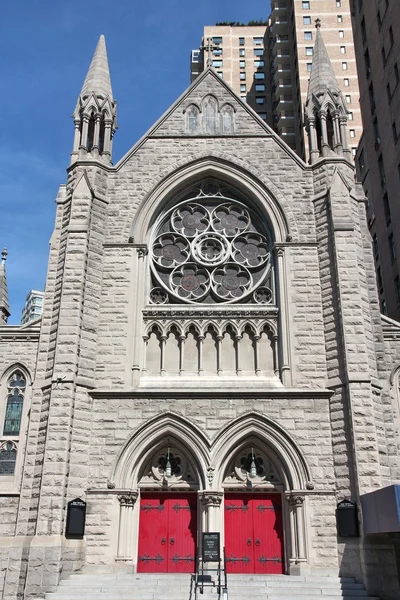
(210, 249)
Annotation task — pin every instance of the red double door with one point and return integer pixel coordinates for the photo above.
(167, 533)
(254, 533)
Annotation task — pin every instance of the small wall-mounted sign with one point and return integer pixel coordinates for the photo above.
(347, 519)
(76, 517)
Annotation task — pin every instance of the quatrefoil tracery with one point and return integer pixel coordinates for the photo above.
(210, 252)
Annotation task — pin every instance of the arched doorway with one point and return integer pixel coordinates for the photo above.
(253, 519)
(158, 474)
(265, 481)
(168, 515)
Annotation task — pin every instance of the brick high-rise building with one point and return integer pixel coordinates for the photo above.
(276, 88)
(377, 43)
(239, 54)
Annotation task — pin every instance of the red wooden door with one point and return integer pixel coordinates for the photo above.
(254, 533)
(182, 533)
(167, 533)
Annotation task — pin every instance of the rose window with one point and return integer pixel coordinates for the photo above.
(211, 248)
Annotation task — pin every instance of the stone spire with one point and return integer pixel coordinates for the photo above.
(325, 110)
(4, 307)
(95, 114)
(98, 78)
(322, 74)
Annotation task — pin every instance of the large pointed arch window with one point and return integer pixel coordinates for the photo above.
(212, 247)
(15, 398)
(11, 426)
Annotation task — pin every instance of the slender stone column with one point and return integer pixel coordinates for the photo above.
(292, 528)
(275, 354)
(343, 135)
(238, 365)
(314, 152)
(83, 140)
(219, 354)
(337, 136)
(256, 355)
(201, 340)
(211, 502)
(163, 340)
(324, 132)
(77, 139)
(182, 339)
(284, 324)
(296, 502)
(107, 139)
(125, 531)
(96, 137)
(139, 353)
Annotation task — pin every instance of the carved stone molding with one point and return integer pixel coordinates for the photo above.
(295, 500)
(128, 499)
(210, 474)
(210, 498)
(142, 251)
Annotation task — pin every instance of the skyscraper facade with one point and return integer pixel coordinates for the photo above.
(277, 86)
(377, 43)
(33, 306)
(239, 54)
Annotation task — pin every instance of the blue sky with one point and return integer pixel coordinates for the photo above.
(45, 48)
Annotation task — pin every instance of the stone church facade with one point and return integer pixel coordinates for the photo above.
(211, 343)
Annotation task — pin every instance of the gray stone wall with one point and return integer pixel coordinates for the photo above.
(92, 337)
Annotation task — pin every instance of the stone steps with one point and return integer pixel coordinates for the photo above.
(158, 586)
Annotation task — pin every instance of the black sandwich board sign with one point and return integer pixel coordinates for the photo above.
(210, 547)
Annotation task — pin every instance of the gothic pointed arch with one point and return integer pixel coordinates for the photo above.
(140, 462)
(270, 443)
(15, 383)
(265, 200)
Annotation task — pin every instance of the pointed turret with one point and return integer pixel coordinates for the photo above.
(4, 306)
(98, 79)
(95, 115)
(325, 110)
(322, 74)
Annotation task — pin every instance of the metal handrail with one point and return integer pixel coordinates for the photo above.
(195, 583)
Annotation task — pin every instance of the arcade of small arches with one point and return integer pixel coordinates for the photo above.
(251, 461)
(326, 125)
(240, 347)
(209, 117)
(212, 252)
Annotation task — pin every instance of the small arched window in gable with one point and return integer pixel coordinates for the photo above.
(227, 122)
(15, 399)
(192, 119)
(210, 113)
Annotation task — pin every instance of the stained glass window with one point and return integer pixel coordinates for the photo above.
(15, 399)
(212, 248)
(8, 457)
